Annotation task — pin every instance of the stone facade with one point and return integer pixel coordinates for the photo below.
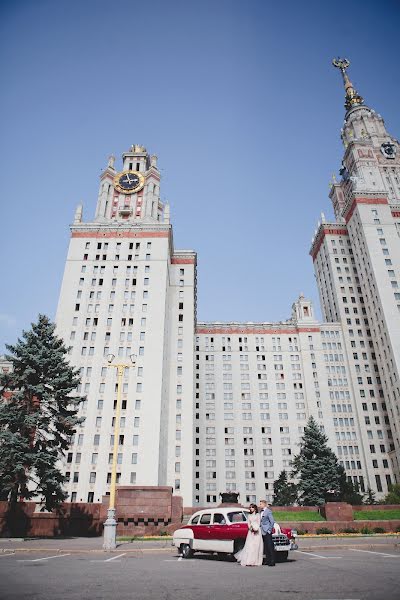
(215, 407)
(127, 291)
(357, 266)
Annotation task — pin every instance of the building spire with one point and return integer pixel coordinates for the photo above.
(352, 97)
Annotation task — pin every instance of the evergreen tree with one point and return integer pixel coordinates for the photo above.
(316, 467)
(38, 416)
(393, 495)
(285, 492)
(349, 492)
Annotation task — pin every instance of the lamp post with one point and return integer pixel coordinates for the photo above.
(110, 526)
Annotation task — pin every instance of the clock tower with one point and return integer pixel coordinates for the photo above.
(371, 158)
(131, 195)
(126, 291)
(357, 265)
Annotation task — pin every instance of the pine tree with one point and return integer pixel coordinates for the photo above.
(349, 492)
(285, 492)
(38, 416)
(316, 467)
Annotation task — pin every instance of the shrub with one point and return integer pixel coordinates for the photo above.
(303, 531)
(379, 530)
(323, 531)
(163, 533)
(397, 529)
(366, 530)
(349, 530)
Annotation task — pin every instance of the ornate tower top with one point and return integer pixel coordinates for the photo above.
(352, 97)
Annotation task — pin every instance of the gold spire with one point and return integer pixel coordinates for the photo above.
(352, 97)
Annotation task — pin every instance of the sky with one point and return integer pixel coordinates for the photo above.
(239, 101)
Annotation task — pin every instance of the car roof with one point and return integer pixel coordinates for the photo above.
(221, 509)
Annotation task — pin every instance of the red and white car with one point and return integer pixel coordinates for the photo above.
(224, 530)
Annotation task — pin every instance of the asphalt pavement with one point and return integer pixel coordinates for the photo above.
(94, 544)
(334, 574)
(355, 571)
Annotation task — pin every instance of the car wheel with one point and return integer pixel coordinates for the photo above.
(186, 551)
(281, 556)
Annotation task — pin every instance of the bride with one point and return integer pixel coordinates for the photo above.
(251, 554)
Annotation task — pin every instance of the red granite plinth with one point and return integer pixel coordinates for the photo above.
(145, 510)
(337, 511)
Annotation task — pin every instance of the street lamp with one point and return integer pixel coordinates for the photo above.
(110, 526)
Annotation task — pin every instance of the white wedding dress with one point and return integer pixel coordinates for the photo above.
(251, 554)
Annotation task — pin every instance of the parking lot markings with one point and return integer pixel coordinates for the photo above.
(44, 558)
(372, 552)
(317, 555)
(115, 557)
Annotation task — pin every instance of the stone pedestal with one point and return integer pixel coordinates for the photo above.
(337, 511)
(145, 510)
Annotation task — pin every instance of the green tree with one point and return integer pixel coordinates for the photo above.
(316, 467)
(285, 492)
(349, 492)
(38, 416)
(369, 497)
(393, 496)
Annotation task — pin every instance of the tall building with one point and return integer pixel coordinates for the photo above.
(357, 265)
(210, 407)
(126, 291)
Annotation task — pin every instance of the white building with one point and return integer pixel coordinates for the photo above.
(357, 264)
(126, 291)
(211, 407)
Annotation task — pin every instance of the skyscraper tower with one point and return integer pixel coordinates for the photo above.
(357, 265)
(126, 291)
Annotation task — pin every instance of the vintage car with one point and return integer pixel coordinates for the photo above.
(224, 530)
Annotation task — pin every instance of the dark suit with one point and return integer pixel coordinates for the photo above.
(267, 524)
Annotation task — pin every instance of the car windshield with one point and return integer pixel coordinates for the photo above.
(237, 516)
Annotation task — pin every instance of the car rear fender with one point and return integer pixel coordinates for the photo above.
(183, 536)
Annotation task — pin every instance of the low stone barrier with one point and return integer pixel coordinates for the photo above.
(72, 519)
(140, 511)
(154, 510)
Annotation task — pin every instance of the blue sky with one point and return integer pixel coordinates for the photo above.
(237, 98)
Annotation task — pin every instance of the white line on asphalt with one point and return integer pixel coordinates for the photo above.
(379, 553)
(326, 557)
(115, 557)
(44, 558)
(7, 554)
(174, 559)
(316, 555)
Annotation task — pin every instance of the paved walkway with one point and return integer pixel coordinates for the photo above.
(94, 544)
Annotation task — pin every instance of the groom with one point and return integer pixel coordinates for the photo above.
(267, 524)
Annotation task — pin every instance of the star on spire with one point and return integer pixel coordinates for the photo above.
(352, 97)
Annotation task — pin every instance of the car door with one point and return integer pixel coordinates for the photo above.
(238, 528)
(202, 532)
(219, 529)
(220, 534)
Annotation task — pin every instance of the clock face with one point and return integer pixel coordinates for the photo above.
(128, 182)
(388, 150)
